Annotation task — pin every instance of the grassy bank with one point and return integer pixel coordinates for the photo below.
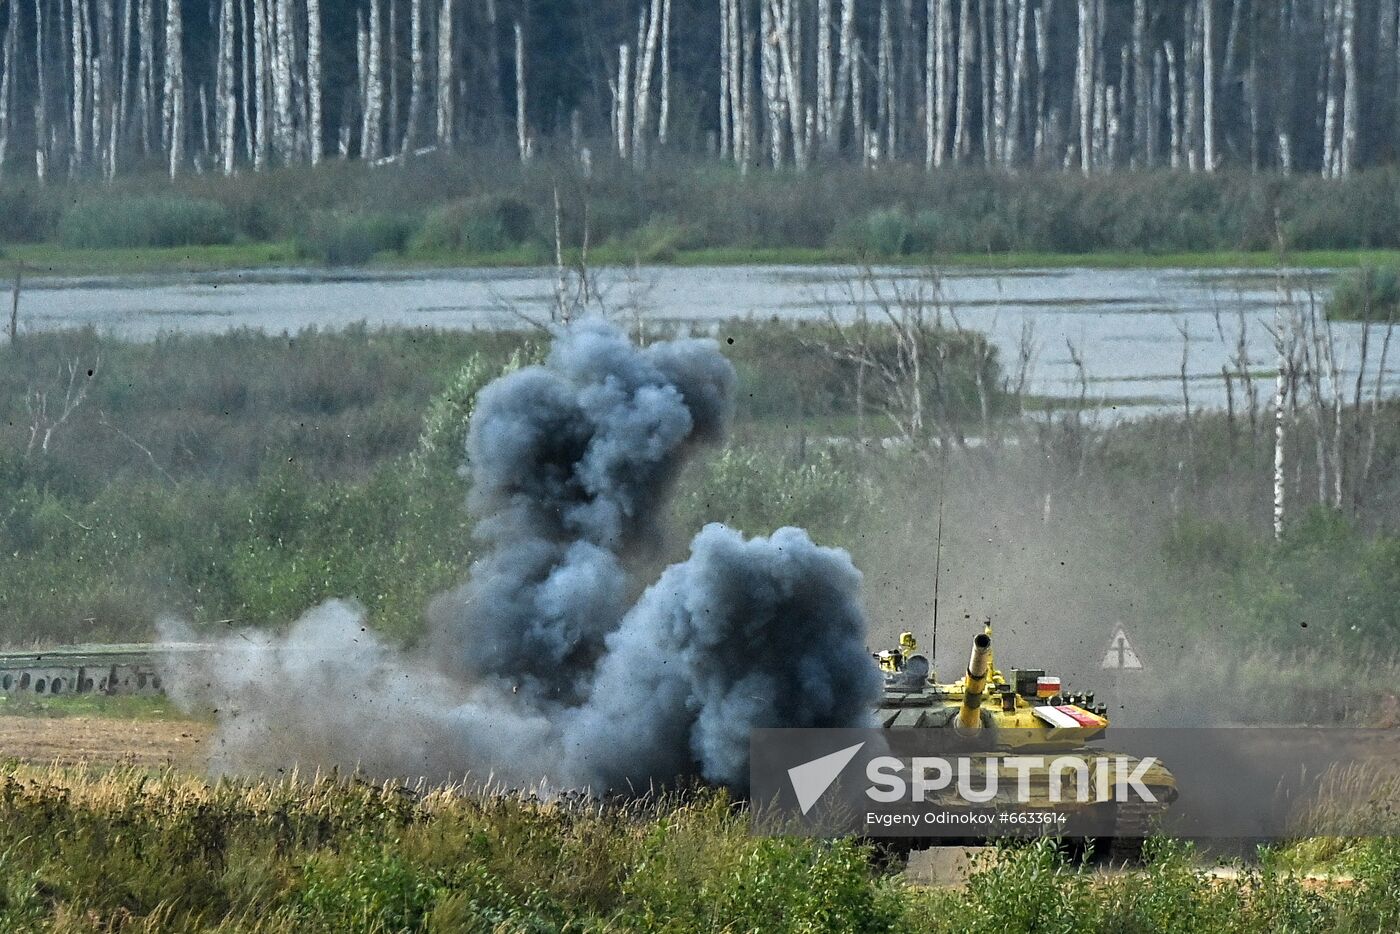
(480, 209)
(53, 260)
(131, 852)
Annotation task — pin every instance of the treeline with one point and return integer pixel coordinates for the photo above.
(104, 87)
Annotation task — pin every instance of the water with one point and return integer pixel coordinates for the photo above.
(1129, 327)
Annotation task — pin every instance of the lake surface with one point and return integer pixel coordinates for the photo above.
(1129, 326)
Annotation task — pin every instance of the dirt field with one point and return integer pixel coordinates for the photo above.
(104, 741)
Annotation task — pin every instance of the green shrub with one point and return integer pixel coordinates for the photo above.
(26, 215)
(475, 226)
(353, 239)
(145, 221)
(1368, 293)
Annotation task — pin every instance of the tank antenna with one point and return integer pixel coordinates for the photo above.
(938, 560)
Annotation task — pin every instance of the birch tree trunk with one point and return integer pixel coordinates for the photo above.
(1084, 82)
(1042, 64)
(622, 100)
(726, 104)
(824, 71)
(1208, 83)
(261, 66)
(999, 76)
(374, 84)
(1141, 101)
(418, 77)
(1174, 107)
(663, 120)
(943, 85)
(41, 106)
(77, 50)
(175, 85)
(282, 79)
(1352, 94)
(962, 141)
(645, 67)
(316, 130)
(844, 76)
(522, 127)
(446, 107)
(1193, 69)
(224, 89)
(884, 75)
(1018, 79)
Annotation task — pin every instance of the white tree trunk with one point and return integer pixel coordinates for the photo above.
(622, 100)
(1084, 83)
(1351, 106)
(1174, 105)
(374, 84)
(663, 120)
(768, 74)
(726, 103)
(1141, 77)
(1191, 129)
(41, 105)
(175, 85)
(282, 79)
(844, 71)
(999, 78)
(824, 71)
(446, 107)
(1208, 80)
(316, 131)
(646, 66)
(1042, 89)
(1018, 80)
(522, 126)
(788, 54)
(224, 87)
(962, 138)
(418, 77)
(78, 57)
(262, 65)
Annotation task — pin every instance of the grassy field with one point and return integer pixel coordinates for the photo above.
(123, 850)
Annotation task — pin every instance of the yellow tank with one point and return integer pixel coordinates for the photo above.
(1016, 712)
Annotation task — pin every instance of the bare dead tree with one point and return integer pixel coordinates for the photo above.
(45, 419)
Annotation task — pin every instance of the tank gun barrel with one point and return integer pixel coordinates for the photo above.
(979, 668)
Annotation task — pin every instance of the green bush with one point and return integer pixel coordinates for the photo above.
(26, 215)
(353, 239)
(145, 221)
(475, 226)
(1366, 294)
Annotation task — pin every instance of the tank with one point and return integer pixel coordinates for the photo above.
(1023, 712)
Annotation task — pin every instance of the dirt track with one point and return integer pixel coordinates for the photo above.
(104, 741)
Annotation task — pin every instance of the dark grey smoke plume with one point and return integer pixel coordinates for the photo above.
(540, 672)
(570, 464)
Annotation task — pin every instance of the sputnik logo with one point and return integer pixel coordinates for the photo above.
(810, 780)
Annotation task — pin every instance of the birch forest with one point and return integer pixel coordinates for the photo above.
(103, 87)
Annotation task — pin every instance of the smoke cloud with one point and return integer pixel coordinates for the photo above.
(539, 670)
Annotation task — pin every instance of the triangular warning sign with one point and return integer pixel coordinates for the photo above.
(1120, 653)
